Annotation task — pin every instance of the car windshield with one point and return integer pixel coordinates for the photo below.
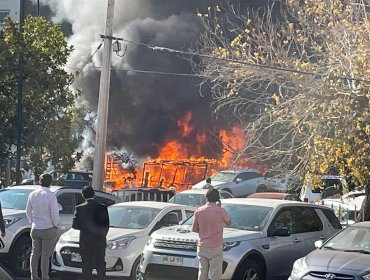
(223, 176)
(191, 199)
(244, 217)
(131, 217)
(352, 239)
(14, 198)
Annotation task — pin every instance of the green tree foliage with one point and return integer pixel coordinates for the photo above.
(49, 132)
(302, 84)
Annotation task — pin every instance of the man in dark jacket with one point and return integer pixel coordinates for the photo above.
(91, 218)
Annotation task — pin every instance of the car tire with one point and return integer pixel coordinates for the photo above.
(19, 260)
(261, 188)
(248, 270)
(228, 190)
(135, 273)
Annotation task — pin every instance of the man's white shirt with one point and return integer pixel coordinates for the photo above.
(42, 209)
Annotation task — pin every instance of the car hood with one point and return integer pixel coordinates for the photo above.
(113, 233)
(12, 212)
(201, 184)
(184, 232)
(329, 260)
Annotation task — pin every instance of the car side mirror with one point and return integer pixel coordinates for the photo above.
(60, 207)
(238, 180)
(280, 231)
(319, 243)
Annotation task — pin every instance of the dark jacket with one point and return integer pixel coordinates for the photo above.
(2, 224)
(92, 220)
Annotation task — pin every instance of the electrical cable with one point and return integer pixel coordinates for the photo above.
(171, 50)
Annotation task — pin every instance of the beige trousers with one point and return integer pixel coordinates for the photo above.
(210, 263)
(43, 243)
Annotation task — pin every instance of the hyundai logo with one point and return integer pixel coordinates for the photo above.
(330, 276)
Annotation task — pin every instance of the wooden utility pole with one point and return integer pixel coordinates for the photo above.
(102, 118)
(20, 98)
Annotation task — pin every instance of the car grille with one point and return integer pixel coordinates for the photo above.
(176, 245)
(331, 276)
(162, 272)
(66, 253)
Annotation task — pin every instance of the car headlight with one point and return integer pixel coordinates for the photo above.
(120, 243)
(366, 276)
(229, 245)
(300, 268)
(9, 221)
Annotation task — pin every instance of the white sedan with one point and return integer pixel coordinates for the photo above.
(131, 224)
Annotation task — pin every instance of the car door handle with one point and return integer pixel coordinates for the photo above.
(297, 240)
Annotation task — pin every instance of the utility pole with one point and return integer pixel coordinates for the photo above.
(102, 118)
(20, 98)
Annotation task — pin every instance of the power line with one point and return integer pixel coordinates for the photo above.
(171, 50)
(140, 71)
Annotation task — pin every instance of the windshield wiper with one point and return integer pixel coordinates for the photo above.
(329, 248)
(357, 251)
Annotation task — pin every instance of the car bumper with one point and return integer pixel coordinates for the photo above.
(154, 265)
(118, 263)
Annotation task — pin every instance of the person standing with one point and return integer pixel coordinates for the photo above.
(208, 184)
(2, 224)
(92, 220)
(209, 221)
(43, 213)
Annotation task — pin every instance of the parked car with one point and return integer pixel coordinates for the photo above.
(239, 183)
(281, 181)
(131, 224)
(264, 239)
(74, 178)
(275, 195)
(347, 207)
(344, 256)
(16, 247)
(310, 193)
(195, 197)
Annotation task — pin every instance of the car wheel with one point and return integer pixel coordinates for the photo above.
(228, 190)
(262, 188)
(135, 271)
(20, 257)
(249, 270)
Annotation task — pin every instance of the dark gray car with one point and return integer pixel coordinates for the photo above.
(344, 256)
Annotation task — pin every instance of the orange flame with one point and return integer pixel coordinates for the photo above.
(177, 164)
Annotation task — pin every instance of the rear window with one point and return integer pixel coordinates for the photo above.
(326, 183)
(333, 220)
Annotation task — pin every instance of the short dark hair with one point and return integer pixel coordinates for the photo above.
(45, 180)
(88, 192)
(208, 180)
(212, 195)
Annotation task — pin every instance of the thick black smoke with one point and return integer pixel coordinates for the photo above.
(144, 108)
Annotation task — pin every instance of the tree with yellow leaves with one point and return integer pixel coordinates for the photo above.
(297, 74)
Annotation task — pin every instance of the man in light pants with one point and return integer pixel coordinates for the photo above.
(43, 213)
(209, 222)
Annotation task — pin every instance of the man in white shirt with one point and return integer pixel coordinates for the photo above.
(43, 213)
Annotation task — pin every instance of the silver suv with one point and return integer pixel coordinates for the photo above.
(16, 247)
(265, 238)
(239, 183)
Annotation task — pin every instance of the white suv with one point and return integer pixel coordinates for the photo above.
(16, 247)
(264, 239)
(240, 183)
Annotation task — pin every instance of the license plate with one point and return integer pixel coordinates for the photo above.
(172, 260)
(76, 257)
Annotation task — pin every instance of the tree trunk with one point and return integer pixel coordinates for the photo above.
(366, 204)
